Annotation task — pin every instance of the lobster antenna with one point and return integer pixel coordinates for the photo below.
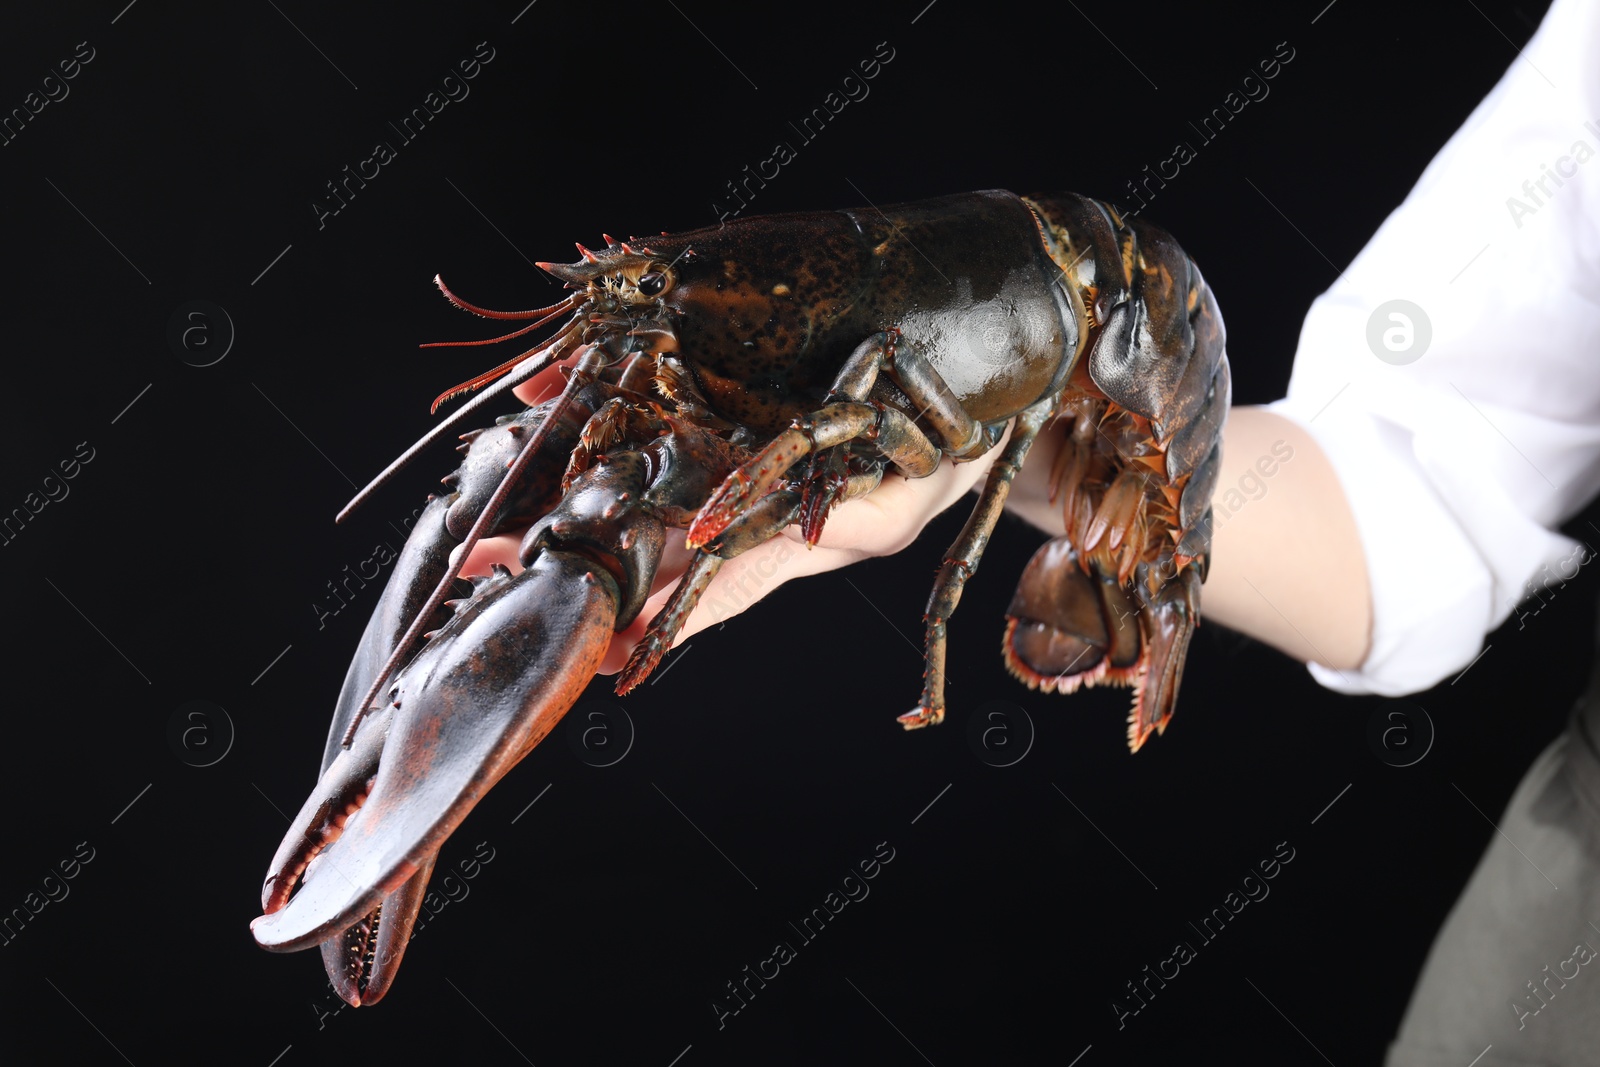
(581, 376)
(556, 312)
(537, 359)
(485, 312)
(490, 375)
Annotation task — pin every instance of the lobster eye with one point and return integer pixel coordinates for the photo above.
(653, 283)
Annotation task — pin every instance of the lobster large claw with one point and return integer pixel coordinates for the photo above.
(493, 678)
(361, 961)
(477, 698)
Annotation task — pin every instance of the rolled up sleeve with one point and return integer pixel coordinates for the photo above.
(1452, 373)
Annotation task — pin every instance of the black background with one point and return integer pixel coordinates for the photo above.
(192, 549)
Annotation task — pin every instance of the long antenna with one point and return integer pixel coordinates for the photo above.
(537, 359)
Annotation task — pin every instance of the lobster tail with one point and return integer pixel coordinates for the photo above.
(1117, 599)
(1072, 624)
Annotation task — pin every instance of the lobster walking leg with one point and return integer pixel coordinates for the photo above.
(961, 562)
(895, 434)
(756, 527)
(961, 435)
(646, 655)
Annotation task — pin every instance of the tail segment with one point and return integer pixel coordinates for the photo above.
(1072, 625)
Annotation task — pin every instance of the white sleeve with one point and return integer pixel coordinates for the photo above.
(1467, 427)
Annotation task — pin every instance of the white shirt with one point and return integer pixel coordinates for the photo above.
(1458, 465)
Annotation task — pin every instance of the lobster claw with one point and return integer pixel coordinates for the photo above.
(361, 964)
(484, 689)
(477, 698)
(361, 961)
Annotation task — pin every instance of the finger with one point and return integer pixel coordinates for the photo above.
(546, 384)
(740, 583)
(748, 578)
(501, 549)
(541, 387)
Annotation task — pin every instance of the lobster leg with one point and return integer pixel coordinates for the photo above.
(646, 655)
(894, 435)
(961, 562)
(756, 527)
(845, 416)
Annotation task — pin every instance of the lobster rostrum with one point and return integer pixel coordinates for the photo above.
(730, 382)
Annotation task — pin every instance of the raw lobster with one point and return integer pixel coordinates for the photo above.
(729, 382)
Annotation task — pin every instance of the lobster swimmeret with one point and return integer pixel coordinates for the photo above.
(731, 382)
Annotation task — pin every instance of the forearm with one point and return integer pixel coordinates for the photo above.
(1287, 566)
